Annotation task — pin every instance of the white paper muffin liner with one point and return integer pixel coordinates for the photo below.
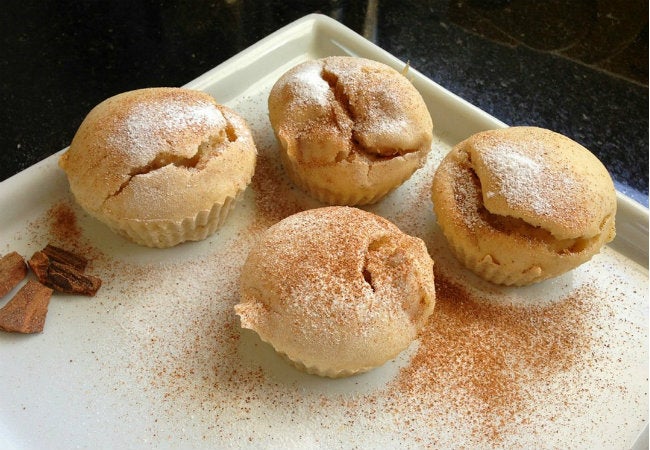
(312, 369)
(163, 233)
(363, 196)
(486, 268)
(323, 371)
(531, 267)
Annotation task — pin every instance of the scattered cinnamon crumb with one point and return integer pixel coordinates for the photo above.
(275, 196)
(482, 357)
(63, 223)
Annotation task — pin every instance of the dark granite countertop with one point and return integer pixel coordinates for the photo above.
(577, 67)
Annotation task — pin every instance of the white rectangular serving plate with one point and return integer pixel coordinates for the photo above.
(156, 359)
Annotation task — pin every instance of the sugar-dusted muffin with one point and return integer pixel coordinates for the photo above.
(337, 290)
(350, 129)
(522, 204)
(160, 165)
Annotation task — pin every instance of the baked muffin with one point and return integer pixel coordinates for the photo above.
(350, 129)
(160, 165)
(336, 290)
(522, 204)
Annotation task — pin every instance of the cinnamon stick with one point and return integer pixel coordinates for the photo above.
(65, 257)
(63, 277)
(12, 271)
(26, 311)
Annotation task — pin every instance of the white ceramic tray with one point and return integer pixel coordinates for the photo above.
(157, 360)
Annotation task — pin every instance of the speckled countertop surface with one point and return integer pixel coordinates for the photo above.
(576, 67)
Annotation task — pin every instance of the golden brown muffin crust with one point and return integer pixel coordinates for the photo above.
(522, 204)
(158, 153)
(351, 129)
(337, 289)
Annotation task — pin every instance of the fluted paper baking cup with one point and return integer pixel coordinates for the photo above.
(363, 196)
(163, 233)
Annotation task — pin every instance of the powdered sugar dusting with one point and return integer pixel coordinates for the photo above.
(382, 124)
(355, 285)
(524, 180)
(325, 271)
(154, 124)
(369, 104)
(516, 172)
(309, 85)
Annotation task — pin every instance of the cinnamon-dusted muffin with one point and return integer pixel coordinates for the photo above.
(160, 165)
(337, 290)
(522, 204)
(350, 129)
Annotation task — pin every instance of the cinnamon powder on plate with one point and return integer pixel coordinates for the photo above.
(62, 222)
(275, 196)
(482, 359)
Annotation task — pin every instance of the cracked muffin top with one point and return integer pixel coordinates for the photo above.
(337, 290)
(351, 129)
(523, 204)
(160, 165)
(158, 153)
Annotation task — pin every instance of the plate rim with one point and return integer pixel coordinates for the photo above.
(317, 23)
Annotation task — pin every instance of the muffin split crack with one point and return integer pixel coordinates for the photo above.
(350, 130)
(206, 150)
(523, 204)
(160, 165)
(337, 290)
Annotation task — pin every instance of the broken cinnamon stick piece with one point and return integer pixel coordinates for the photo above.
(12, 271)
(63, 277)
(26, 311)
(39, 263)
(65, 257)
